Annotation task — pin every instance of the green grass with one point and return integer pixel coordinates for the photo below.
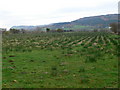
(57, 67)
(77, 27)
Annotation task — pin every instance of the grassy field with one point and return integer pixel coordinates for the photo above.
(77, 27)
(60, 60)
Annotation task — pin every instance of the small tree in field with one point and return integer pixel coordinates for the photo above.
(47, 29)
(59, 30)
(23, 31)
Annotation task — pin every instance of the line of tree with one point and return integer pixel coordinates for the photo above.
(58, 30)
(14, 31)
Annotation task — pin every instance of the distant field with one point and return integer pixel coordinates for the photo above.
(77, 27)
(60, 60)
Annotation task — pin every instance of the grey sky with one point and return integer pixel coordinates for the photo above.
(40, 12)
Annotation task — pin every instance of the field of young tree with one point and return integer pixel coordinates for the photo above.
(60, 60)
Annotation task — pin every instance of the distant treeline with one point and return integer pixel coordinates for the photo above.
(114, 27)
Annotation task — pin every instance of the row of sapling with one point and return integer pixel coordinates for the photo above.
(25, 43)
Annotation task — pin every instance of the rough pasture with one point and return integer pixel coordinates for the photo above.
(60, 60)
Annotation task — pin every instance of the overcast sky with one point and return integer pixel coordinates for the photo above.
(40, 12)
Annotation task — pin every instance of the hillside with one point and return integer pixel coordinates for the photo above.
(104, 20)
(24, 27)
(82, 23)
(88, 22)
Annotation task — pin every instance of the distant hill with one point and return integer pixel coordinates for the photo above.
(104, 20)
(27, 27)
(24, 27)
(82, 23)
